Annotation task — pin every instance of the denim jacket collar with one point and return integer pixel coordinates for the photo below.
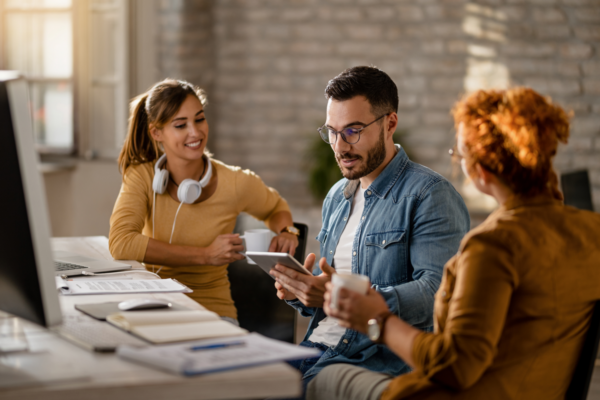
(386, 179)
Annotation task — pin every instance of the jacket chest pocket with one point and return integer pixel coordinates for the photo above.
(386, 257)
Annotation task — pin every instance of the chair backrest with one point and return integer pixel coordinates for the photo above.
(300, 253)
(576, 189)
(580, 383)
(253, 292)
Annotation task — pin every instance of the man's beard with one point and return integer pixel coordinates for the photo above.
(375, 157)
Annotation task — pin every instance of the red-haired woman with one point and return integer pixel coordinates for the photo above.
(178, 206)
(514, 304)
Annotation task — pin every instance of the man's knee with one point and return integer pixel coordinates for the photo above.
(343, 381)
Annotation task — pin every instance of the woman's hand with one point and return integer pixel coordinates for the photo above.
(224, 250)
(285, 242)
(354, 310)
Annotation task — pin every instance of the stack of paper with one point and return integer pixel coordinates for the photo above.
(216, 355)
(103, 286)
(174, 326)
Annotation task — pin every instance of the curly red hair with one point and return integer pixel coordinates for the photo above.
(514, 134)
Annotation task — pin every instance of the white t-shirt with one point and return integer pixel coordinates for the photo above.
(329, 332)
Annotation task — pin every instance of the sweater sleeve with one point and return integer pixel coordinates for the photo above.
(256, 198)
(485, 280)
(125, 239)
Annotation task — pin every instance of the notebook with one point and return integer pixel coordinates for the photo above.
(176, 326)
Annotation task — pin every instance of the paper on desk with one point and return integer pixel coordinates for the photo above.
(180, 359)
(61, 283)
(97, 286)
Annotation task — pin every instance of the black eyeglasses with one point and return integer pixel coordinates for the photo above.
(349, 135)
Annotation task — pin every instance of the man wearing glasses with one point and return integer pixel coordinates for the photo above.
(391, 219)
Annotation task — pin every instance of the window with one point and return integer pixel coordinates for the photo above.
(102, 63)
(38, 42)
(75, 56)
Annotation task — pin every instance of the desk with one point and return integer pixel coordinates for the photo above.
(105, 376)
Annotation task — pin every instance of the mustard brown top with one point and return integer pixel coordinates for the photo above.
(512, 309)
(197, 225)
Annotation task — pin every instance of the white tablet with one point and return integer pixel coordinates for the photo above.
(267, 261)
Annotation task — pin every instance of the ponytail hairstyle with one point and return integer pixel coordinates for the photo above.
(514, 134)
(155, 107)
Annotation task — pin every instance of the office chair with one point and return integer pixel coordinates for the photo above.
(253, 292)
(580, 383)
(576, 189)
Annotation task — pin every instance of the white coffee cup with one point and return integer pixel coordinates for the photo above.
(256, 240)
(355, 282)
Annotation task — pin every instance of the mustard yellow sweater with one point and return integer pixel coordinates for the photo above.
(197, 225)
(512, 309)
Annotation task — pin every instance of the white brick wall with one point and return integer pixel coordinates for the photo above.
(265, 64)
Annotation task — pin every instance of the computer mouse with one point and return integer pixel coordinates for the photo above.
(143, 304)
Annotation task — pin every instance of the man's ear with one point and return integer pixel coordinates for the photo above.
(392, 123)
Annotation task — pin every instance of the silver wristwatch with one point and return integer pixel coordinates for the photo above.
(376, 325)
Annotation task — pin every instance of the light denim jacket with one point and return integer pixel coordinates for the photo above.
(412, 223)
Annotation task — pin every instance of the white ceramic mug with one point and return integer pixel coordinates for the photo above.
(256, 240)
(355, 282)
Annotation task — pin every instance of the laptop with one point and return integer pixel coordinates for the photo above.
(69, 264)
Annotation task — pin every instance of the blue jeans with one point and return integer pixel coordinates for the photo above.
(304, 365)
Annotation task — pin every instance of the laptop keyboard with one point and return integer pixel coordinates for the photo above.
(95, 335)
(63, 266)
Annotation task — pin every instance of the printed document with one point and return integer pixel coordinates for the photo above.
(101, 286)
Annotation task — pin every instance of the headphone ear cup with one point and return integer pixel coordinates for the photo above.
(189, 191)
(160, 181)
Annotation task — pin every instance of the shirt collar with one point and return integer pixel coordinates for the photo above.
(386, 179)
(515, 201)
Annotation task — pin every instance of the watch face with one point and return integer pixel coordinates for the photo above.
(292, 230)
(373, 330)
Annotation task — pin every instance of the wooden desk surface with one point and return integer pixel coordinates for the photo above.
(74, 373)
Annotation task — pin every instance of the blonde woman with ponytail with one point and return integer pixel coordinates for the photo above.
(162, 222)
(515, 302)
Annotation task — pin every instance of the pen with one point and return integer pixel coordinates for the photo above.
(217, 346)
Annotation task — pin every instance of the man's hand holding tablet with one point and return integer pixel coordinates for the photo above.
(309, 289)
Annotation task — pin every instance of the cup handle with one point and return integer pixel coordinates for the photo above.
(243, 252)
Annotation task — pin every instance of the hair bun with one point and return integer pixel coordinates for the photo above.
(513, 133)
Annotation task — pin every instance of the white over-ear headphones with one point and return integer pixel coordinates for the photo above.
(189, 190)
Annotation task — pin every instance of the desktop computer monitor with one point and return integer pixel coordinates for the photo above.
(27, 284)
